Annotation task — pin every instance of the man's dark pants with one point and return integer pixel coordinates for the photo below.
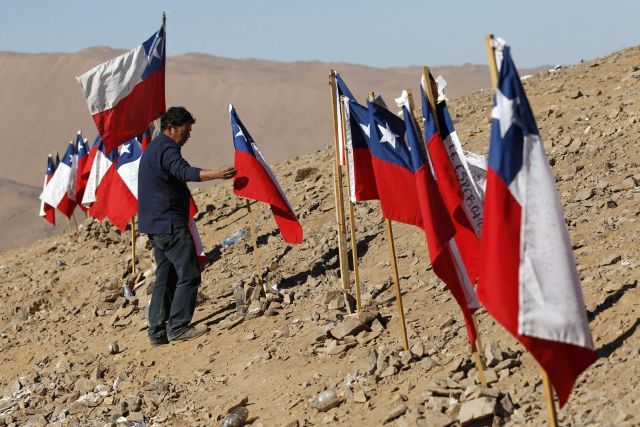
(176, 288)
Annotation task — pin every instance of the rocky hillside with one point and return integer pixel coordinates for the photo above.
(75, 350)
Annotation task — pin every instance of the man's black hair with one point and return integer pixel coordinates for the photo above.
(176, 116)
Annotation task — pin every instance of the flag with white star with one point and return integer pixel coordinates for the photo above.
(117, 193)
(528, 278)
(127, 92)
(255, 180)
(47, 211)
(60, 190)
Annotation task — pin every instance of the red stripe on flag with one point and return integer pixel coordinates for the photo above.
(253, 182)
(132, 115)
(498, 288)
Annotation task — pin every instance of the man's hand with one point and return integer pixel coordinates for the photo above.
(226, 172)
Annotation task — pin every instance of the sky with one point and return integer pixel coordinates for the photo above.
(380, 33)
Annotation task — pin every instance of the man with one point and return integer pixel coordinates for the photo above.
(163, 213)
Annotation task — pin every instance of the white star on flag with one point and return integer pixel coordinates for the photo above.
(388, 135)
(504, 112)
(125, 149)
(366, 129)
(153, 53)
(240, 133)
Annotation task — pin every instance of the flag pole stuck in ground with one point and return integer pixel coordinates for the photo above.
(396, 283)
(337, 185)
(352, 218)
(430, 106)
(254, 239)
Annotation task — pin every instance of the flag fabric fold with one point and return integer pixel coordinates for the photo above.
(528, 278)
(472, 193)
(127, 93)
(47, 211)
(81, 179)
(254, 180)
(452, 180)
(60, 191)
(97, 166)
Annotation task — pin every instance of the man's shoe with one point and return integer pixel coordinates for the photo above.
(159, 341)
(190, 334)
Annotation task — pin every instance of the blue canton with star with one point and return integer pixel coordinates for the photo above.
(154, 48)
(511, 120)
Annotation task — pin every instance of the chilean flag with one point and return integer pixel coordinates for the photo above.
(48, 212)
(126, 93)
(60, 192)
(81, 179)
(255, 180)
(362, 181)
(455, 187)
(117, 194)
(409, 194)
(98, 165)
(472, 191)
(528, 278)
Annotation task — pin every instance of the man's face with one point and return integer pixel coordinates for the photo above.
(180, 134)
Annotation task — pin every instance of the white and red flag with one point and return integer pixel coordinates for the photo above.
(96, 168)
(126, 93)
(117, 193)
(457, 192)
(528, 278)
(48, 212)
(254, 180)
(60, 191)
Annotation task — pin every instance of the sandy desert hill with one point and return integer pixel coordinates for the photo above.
(63, 302)
(284, 105)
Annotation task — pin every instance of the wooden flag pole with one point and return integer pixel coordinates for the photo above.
(396, 280)
(352, 227)
(476, 347)
(337, 183)
(254, 238)
(493, 66)
(548, 396)
(134, 269)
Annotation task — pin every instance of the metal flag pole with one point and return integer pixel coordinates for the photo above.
(476, 347)
(254, 238)
(339, 196)
(352, 223)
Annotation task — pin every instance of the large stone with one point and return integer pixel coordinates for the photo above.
(492, 354)
(476, 410)
(304, 173)
(349, 326)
